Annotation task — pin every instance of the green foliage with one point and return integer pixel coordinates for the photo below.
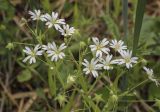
(112, 26)
(138, 22)
(25, 75)
(125, 18)
(69, 88)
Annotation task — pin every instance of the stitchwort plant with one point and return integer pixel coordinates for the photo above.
(99, 65)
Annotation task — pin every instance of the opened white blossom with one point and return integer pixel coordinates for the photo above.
(118, 45)
(55, 52)
(92, 67)
(32, 53)
(47, 47)
(127, 59)
(36, 15)
(151, 76)
(66, 30)
(99, 47)
(53, 20)
(107, 62)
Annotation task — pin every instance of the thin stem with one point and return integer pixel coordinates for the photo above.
(123, 94)
(23, 43)
(31, 30)
(58, 76)
(43, 61)
(96, 82)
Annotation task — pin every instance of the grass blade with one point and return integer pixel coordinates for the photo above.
(138, 22)
(125, 18)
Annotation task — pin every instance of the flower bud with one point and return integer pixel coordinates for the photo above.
(51, 68)
(144, 62)
(114, 98)
(61, 99)
(98, 97)
(10, 46)
(2, 27)
(71, 79)
(23, 22)
(82, 44)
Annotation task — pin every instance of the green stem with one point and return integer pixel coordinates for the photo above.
(19, 43)
(92, 87)
(130, 90)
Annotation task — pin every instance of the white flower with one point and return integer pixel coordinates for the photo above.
(150, 75)
(52, 20)
(118, 45)
(107, 62)
(47, 47)
(127, 59)
(92, 67)
(36, 15)
(66, 30)
(32, 53)
(99, 47)
(56, 52)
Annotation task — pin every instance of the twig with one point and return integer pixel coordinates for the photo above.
(29, 103)
(145, 105)
(8, 93)
(16, 20)
(2, 102)
(21, 105)
(27, 94)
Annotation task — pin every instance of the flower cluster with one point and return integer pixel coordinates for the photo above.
(103, 59)
(101, 50)
(106, 53)
(51, 49)
(53, 21)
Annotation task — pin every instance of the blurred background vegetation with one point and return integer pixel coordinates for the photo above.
(102, 18)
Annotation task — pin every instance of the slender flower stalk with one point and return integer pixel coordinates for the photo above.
(32, 53)
(99, 47)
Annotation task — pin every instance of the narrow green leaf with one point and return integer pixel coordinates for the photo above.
(46, 5)
(70, 103)
(76, 15)
(125, 18)
(138, 22)
(52, 83)
(117, 8)
(92, 104)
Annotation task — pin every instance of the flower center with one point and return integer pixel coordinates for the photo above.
(117, 46)
(66, 31)
(107, 64)
(57, 52)
(127, 59)
(99, 47)
(32, 53)
(90, 67)
(53, 21)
